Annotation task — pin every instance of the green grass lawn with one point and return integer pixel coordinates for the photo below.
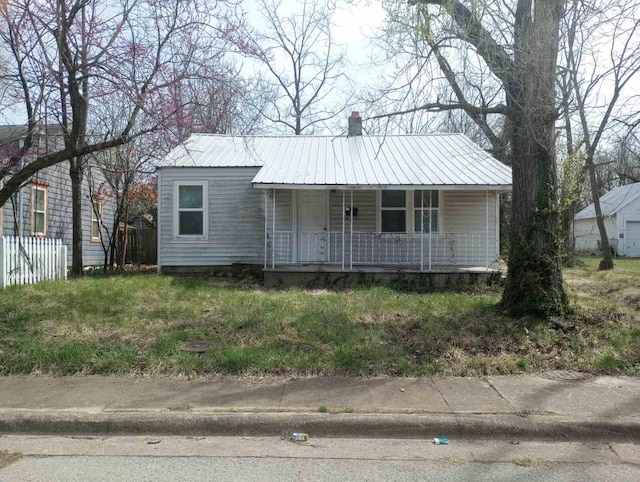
(135, 324)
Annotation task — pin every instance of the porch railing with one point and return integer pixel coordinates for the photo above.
(410, 249)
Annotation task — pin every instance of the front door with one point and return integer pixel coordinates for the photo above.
(312, 226)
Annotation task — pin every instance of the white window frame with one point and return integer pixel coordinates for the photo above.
(42, 187)
(415, 208)
(97, 219)
(410, 220)
(204, 210)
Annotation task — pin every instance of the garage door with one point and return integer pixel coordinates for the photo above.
(633, 239)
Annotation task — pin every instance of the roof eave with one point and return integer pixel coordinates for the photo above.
(380, 187)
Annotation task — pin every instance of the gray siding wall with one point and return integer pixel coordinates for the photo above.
(236, 222)
(464, 216)
(365, 201)
(235, 217)
(59, 211)
(284, 210)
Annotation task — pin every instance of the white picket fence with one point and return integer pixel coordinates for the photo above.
(37, 259)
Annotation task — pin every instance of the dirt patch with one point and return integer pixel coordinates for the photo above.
(376, 317)
(318, 292)
(631, 297)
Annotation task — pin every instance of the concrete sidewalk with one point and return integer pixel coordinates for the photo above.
(524, 406)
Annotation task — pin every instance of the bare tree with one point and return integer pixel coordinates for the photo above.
(303, 64)
(598, 81)
(66, 56)
(517, 42)
(217, 99)
(429, 80)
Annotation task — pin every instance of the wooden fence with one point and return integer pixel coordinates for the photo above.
(141, 247)
(33, 260)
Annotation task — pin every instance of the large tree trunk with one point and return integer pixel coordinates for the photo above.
(75, 172)
(534, 282)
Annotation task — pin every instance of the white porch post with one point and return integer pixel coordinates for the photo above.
(430, 225)
(422, 230)
(486, 255)
(266, 224)
(343, 233)
(351, 232)
(273, 230)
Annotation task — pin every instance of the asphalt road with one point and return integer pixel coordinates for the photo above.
(240, 458)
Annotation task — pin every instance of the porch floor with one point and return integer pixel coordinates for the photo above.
(337, 268)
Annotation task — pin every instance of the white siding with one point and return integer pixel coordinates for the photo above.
(463, 213)
(629, 213)
(365, 201)
(236, 219)
(466, 212)
(587, 236)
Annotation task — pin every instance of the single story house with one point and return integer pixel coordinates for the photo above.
(355, 203)
(621, 213)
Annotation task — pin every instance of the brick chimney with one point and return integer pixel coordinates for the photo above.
(355, 124)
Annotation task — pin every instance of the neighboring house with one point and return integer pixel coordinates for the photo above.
(415, 203)
(621, 213)
(42, 207)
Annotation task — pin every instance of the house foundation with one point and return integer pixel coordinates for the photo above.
(407, 279)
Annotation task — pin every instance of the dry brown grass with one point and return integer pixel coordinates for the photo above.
(7, 458)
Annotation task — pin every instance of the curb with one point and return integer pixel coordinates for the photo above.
(405, 426)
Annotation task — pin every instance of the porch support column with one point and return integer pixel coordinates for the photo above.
(422, 230)
(486, 254)
(273, 230)
(343, 233)
(266, 225)
(430, 225)
(351, 232)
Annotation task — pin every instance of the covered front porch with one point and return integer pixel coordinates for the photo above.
(394, 231)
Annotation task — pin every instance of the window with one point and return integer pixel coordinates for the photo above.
(393, 212)
(191, 209)
(400, 211)
(430, 208)
(96, 220)
(39, 194)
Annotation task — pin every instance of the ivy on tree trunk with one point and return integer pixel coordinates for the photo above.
(527, 72)
(534, 283)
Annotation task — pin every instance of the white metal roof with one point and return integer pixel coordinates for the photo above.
(612, 201)
(392, 161)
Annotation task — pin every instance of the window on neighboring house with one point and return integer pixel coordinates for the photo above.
(393, 211)
(191, 209)
(430, 209)
(39, 201)
(96, 220)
